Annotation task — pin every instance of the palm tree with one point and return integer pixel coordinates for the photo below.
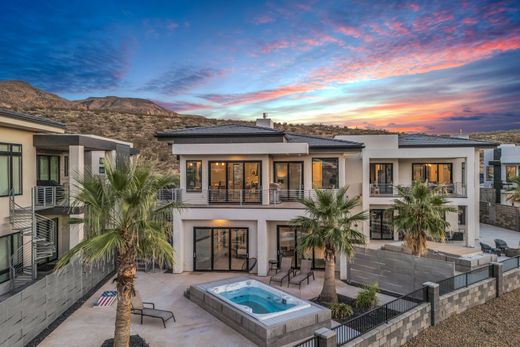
(513, 194)
(421, 212)
(122, 219)
(329, 223)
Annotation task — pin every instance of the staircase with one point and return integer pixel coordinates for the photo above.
(36, 244)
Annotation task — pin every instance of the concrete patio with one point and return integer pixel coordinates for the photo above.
(90, 326)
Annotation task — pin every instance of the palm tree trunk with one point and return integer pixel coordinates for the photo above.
(125, 287)
(328, 293)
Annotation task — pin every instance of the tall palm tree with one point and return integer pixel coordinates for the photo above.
(421, 212)
(513, 194)
(122, 219)
(329, 223)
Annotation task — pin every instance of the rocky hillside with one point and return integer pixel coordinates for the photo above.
(509, 136)
(128, 119)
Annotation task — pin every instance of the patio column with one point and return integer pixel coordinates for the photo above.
(262, 248)
(178, 243)
(76, 170)
(472, 189)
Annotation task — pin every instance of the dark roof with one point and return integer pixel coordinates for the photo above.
(30, 118)
(221, 130)
(421, 140)
(321, 142)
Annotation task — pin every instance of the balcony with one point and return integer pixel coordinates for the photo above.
(50, 196)
(453, 190)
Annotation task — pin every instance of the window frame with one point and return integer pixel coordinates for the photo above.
(10, 246)
(66, 166)
(10, 154)
(515, 167)
(198, 172)
(48, 157)
(336, 186)
(438, 171)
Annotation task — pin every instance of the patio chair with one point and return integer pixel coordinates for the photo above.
(488, 249)
(501, 245)
(304, 274)
(284, 271)
(138, 308)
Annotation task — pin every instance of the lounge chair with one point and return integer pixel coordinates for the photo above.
(501, 245)
(488, 249)
(138, 308)
(284, 271)
(304, 274)
(504, 248)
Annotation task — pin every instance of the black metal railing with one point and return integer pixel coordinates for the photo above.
(372, 319)
(464, 280)
(310, 342)
(510, 264)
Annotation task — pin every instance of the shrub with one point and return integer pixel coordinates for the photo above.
(367, 297)
(340, 311)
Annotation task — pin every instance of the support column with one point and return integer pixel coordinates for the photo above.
(498, 274)
(326, 337)
(262, 248)
(342, 167)
(178, 243)
(433, 298)
(365, 193)
(343, 267)
(76, 171)
(473, 223)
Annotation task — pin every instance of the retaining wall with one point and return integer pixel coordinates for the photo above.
(511, 280)
(27, 313)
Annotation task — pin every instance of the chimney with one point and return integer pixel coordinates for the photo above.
(265, 122)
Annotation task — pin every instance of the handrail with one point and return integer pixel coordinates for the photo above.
(456, 189)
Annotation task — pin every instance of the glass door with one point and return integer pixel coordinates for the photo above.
(381, 178)
(235, 181)
(289, 175)
(381, 224)
(202, 249)
(220, 249)
(288, 246)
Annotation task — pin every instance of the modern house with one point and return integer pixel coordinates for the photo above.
(240, 185)
(500, 166)
(39, 166)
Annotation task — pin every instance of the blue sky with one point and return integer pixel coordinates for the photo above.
(405, 65)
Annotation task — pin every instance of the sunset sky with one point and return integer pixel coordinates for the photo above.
(428, 66)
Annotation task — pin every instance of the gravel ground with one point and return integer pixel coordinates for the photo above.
(496, 323)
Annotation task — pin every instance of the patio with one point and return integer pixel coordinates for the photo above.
(90, 326)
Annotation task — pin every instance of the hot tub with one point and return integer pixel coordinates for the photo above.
(257, 299)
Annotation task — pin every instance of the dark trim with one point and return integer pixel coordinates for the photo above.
(449, 145)
(10, 154)
(337, 168)
(437, 163)
(199, 172)
(302, 164)
(211, 235)
(243, 180)
(30, 118)
(278, 256)
(48, 157)
(66, 166)
(52, 141)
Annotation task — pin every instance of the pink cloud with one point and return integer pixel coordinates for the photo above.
(181, 106)
(469, 21)
(348, 30)
(275, 45)
(263, 19)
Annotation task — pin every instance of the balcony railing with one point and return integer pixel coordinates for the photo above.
(234, 196)
(50, 196)
(453, 190)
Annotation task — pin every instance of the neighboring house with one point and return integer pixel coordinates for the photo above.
(500, 166)
(241, 184)
(39, 165)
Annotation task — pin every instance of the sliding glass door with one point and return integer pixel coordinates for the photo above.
(289, 175)
(381, 224)
(289, 239)
(220, 249)
(235, 182)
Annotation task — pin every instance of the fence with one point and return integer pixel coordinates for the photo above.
(510, 264)
(310, 342)
(27, 313)
(451, 284)
(372, 319)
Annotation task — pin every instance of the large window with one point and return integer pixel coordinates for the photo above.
(381, 178)
(325, 173)
(381, 224)
(235, 181)
(490, 172)
(289, 175)
(10, 169)
(48, 168)
(511, 172)
(433, 173)
(8, 244)
(193, 176)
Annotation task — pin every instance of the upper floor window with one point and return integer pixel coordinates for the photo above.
(511, 172)
(193, 176)
(48, 168)
(433, 173)
(325, 173)
(490, 173)
(101, 169)
(10, 169)
(66, 166)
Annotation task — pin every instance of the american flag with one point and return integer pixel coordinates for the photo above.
(107, 298)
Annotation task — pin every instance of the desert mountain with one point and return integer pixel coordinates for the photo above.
(117, 104)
